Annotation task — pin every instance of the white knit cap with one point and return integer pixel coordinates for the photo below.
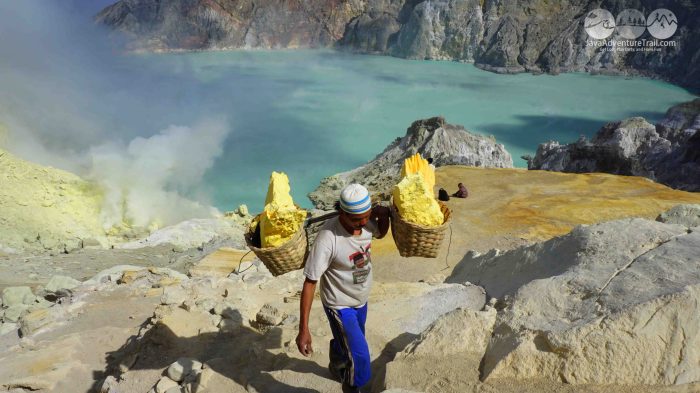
(354, 199)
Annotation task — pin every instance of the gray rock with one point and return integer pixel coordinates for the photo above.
(174, 295)
(13, 313)
(666, 152)
(269, 315)
(447, 144)
(164, 384)
(8, 327)
(57, 283)
(12, 296)
(206, 304)
(183, 367)
(686, 215)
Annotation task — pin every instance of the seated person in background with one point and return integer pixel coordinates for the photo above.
(462, 192)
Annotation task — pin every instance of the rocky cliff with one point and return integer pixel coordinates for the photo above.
(498, 35)
(668, 152)
(153, 25)
(447, 144)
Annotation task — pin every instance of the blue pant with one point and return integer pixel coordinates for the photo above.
(349, 345)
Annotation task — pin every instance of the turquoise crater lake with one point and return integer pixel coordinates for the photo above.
(315, 113)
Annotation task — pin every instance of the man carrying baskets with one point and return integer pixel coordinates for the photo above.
(340, 259)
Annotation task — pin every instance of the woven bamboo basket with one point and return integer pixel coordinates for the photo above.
(414, 240)
(281, 259)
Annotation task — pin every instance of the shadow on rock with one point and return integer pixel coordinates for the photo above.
(238, 358)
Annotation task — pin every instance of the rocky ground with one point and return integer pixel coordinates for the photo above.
(133, 329)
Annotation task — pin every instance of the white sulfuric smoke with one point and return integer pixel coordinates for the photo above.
(70, 100)
(145, 180)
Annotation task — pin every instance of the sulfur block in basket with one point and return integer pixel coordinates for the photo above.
(416, 203)
(417, 164)
(280, 219)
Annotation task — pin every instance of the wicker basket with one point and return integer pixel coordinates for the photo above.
(414, 240)
(281, 259)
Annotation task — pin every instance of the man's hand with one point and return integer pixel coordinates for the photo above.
(380, 215)
(379, 212)
(304, 342)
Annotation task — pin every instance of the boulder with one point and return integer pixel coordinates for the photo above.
(582, 307)
(447, 144)
(12, 296)
(182, 368)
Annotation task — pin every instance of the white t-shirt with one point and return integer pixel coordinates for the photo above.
(342, 263)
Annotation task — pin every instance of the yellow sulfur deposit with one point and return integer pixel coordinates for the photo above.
(417, 164)
(416, 203)
(280, 219)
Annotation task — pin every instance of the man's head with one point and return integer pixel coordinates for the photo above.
(355, 206)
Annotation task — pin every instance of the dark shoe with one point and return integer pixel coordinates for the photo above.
(337, 363)
(336, 373)
(351, 389)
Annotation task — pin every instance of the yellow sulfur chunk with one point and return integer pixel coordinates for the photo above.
(417, 164)
(280, 219)
(416, 203)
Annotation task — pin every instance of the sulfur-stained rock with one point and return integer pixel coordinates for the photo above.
(37, 319)
(280, 219)
(416, 202)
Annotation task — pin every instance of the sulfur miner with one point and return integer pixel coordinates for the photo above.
(281, 218)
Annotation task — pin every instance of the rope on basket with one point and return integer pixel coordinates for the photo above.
(241, 261)
(449, 243)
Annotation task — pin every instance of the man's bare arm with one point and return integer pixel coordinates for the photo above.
(304, 336)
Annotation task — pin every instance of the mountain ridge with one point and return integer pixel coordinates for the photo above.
(504, 36)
